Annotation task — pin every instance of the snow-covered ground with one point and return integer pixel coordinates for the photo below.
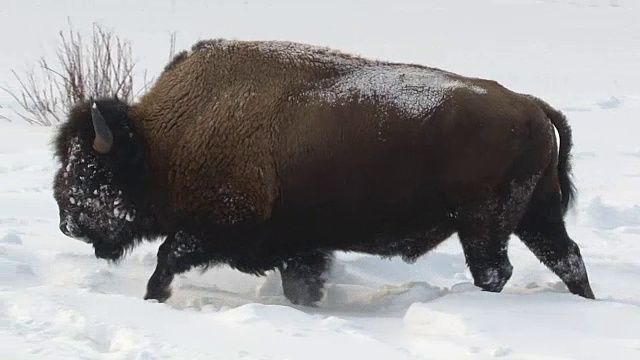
(58, 302)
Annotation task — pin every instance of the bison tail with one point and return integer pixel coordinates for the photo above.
(561, 124)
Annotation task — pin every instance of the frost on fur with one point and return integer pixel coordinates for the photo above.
(95, 206)
(412, 91)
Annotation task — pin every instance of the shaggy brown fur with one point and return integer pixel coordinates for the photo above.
(270, 155)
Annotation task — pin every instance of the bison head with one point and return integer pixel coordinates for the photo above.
(99, 184)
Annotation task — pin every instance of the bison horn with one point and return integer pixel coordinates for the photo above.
(104, 138)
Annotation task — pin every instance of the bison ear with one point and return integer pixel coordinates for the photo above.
(104, 138)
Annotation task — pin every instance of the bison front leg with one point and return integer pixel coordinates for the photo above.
(303, 277)
(179, 253)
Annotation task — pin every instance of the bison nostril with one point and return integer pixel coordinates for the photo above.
(70, 229)
(64, 227)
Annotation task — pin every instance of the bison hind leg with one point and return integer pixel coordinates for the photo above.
(484, 230)
(304, 276)
(543, 231)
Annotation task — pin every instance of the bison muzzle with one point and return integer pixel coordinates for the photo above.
(268, 155)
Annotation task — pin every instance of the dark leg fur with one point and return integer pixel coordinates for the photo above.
(485, 251)
(179, 253)
(303, 277)
(543, 230)
(484, 234)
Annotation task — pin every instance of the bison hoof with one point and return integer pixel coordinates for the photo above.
(583, 290)
(301, 293)
(493, 279)
(308, 297)
(161, 295)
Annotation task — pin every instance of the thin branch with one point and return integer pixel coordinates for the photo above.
(103, 67)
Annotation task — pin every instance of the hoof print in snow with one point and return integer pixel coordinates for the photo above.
(428, 321)
(11, 238)
(501, 351)
(462, 276)
(610, 103)
(558, 286)
(532, 285)
(145, 355)
(464, 287)
(24, 269)
(474, 350)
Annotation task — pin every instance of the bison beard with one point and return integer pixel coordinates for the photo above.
(273, 155)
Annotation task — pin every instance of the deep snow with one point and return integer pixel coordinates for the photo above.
(58, 302)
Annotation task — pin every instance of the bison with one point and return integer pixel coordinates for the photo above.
(266, 155)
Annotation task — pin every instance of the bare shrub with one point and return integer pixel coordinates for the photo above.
(102, 67)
